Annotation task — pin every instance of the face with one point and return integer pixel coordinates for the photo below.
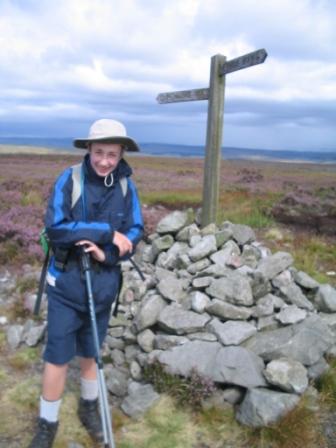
(105, 157)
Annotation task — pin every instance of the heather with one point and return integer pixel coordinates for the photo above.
(248, 191)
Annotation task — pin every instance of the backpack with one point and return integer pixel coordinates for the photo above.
(77, 189)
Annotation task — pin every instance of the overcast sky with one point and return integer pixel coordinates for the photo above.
(66, 63)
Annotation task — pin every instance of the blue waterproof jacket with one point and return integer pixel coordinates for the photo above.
(103, 211)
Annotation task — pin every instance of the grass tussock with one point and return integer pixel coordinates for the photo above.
(24, 358)
(164, 426)
(243, 207)
(327, 385)
(299, 428)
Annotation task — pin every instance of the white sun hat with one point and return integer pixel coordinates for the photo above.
(107, 131)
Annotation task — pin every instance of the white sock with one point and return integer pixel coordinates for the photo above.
(89, 389)
(49, 409)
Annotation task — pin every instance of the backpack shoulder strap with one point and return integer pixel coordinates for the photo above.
(124, 185)
(77, 187)
(76, 183)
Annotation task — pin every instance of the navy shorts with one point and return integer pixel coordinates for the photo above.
(69, 332)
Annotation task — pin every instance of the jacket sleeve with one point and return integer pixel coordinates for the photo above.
(62, 230)
(133, 226)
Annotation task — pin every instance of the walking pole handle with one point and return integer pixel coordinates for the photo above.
(84, 259)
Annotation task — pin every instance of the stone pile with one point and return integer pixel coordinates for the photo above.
(218, 301)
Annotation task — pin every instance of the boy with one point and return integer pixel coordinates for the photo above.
(106, 219)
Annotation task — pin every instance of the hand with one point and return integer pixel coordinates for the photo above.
(97, 253)
(123, 243)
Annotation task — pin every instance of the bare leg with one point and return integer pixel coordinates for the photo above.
(88, 368)
(54, 377)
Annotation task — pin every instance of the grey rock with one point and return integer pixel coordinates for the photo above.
(135, 371)
(199, 301)
(291, 315)
(223, 256)
(34, 335)
(264, 306)
(116, 381)
(283, 279)
(187, 232)
(271, 266)
(172, 289)
(330, 320)
(150, 310)
(117, 357)
(160, 244)
(267, 323)
(293, 294)
(115, 343)
(116, 332)
(205, 247)
(128, 336)
(210, 229)
(304, 280)
(250, 256)
(172, 256)
(287, 374)
(14, 335)
(139, 400)
(318, 369)
(164, 341)
(260, 285)
(182, 261)
(222, 236)
(243, 234)
(215, 270)
(179, 321)
(202, 336)
(161, 273)
(194, 240)
(131, 352)
(146, 340)
(232, 332)
(238, 366)
(235, 289)
(306, 341)
(325, 299)
(198, 266)
(201, 282)
(173, 222)
(228, 311)
(233, 395)
(262, 407)
(232, 365)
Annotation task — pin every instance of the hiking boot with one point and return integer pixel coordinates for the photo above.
(45, 434)
(89, 416)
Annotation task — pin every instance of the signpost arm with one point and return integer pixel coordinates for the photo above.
(213, 142)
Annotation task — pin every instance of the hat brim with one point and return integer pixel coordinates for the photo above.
(129, 143)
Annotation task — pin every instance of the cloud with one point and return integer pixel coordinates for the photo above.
(78, 60)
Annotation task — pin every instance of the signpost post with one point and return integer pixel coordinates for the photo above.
(215, 95)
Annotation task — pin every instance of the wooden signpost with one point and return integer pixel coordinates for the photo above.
(215, 96)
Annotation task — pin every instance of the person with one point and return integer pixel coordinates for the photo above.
(106, 219)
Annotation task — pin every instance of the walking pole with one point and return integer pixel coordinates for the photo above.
(103, 402)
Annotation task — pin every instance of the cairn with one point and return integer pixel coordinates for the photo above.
(218, 301)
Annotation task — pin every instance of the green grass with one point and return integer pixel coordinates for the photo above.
(327, 385)
(173, 199)
(24, 357)
(299, 428)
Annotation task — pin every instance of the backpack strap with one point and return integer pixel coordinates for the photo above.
(124, 185)
(76, 183)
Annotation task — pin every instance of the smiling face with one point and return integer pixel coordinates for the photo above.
(105, 157)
